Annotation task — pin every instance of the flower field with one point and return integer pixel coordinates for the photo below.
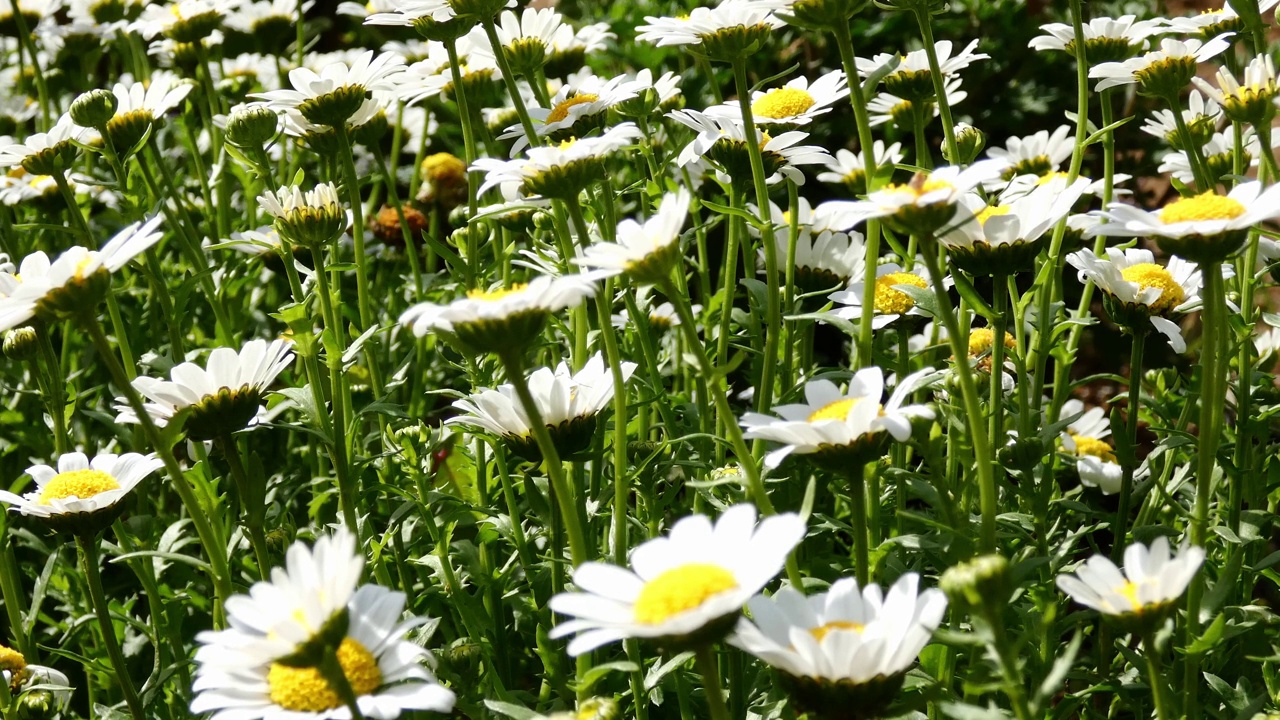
(771, 359)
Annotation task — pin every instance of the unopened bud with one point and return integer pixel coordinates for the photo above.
(94, 108)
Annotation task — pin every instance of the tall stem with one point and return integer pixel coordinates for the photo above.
(468, 147)
(939, 81)
(251, 499)
(706, 661)
(1155, 676)
(509, 79)
(56, 388)
(331, 670)
(858, 494)
(999, 303)
(969, 396)
(89, 562)
(1121, 529)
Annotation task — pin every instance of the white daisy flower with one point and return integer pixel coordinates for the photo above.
(1037, 154)
(711, 25)
(217, 400)
(569, 404)
(68, 496)
(1105, 39)
(1086, 439)
(569, 46)
(340, 90)
(1160, 72)
(365, 9)
(1151, 582)
(652, 94)
(1201, 115)
(841, 639)
(586, 100)
(1251, 100)
(886, 107)
(255, 15)
(798, 102)
(891, 302)
(911, 77)
(1141, 289)
(558, 170)
(139, 104)
(48, 152)
(825, 256)
(926, 203)
(647, 252)
(251, 671)
(1004, 239)
(72, 283)
(1214, 21)
(183, 20)
(835, 424)
(850, 168)
(1219, 154)
(1267, 342)
(683, 590)
(724, 141)
(526, 37)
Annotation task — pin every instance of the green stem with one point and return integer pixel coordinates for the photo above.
(11, 592)
(922, 13)
(705, 659)
(336, 677)
(251, 501)
(999, 304)
(57, 388)
(1155, 675)
(509, 79)
(1195, 154)
(858, 494)
(969, 396)
(1121, 529)
(89, 562)
(73, 209)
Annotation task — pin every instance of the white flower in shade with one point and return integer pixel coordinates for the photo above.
(886, 107)
(558, 170)
(708, 25)
(1037, 154)
(837, 426)
(139, 104)
(585, 100)
(526, 37)
(915, 64)
(570, 46)
(1142, 289)
(183, 20)
(365, 9)
(1200, 114)
(48, 152)
(254, 15)
(926, 203)
(1105, 39)
(1086, 439)
(647, 252)
(723, 140)
(1208, 226)
(72, 283)
(850, 168)
(1006, 238)
(825, 256)
(798, 102)
(842, 637)
(1214, 21)
(1251, 100)
(684, 590)
(504, 318)
(1219, 155)
(569, 404)
(217, 400)
(82, 490)
(1150, 583)
(1267, 342)
(652, 94)
(891, 302)
(1021, 185)
(257, 668)
(1160, 72)
(340, 90)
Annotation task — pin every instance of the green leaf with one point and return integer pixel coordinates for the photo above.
(592, 676)
(1058, 673)
(512, 711)
(1211, 637)
(972, 296)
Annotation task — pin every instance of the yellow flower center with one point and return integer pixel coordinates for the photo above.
(782, 103)
(982, 339)
(11, 660)
(561, 110)
(1094, 447)
(838, 410)
(1150, 275)
(1050, 177)
(921, 184)
(496, 293)
(1129, 591)
(991, 211)
(1207, 206)
(821, 632)
(306, 690)
(80, 484)
(681, 589)
(891, 301)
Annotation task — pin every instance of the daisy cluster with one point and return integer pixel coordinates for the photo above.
(396, 352)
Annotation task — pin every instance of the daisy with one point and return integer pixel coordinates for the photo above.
(74, 282)
(1219, 155)
(845, 643)
(263, 665)
(825, 256)
(1162, 73)
(140, 104)
(570, 47)
(733, 29)
(82, 494)
(926, 203)
(1251, 101)
(912, 77)
(1105, 39)
(886, 107)
(798, 102)
(1037, 154)
(576, 109)
(526, 38)
(891, 302)
(34, 12)
(1085, 438)
(850, 168)
(1151, 582)
(681, 591)
(1201, 227)
(312, 218)
(724, 141)
(20, 677)
(416, 13)
(1004, 239)
(646, 252)
(185, 21)
(365, 9)
(652, 94)
(49, 152)
(1140, 292)
(502, 319)
(841, 428)
(558, 170)
(1215, 21)
(568, 403)
(340, 90)
(1201, 116)
(217, 400)
(266, 18)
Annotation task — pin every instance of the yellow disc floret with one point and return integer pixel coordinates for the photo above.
(890, 300)
(561, 110)
(1129, 591)
(838, 410)
(496, 293)
(981, 340)
(80, 484)
(782, 103)
(820, 632)
(1206, 206)
(304, 689)
(13, 663)
(1150, 275)
(1093, 447)
(991, 211)
(681, 589)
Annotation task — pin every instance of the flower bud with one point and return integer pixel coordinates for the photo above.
(252, 127)
(980, 584)
(20, 343)
(94, 108)
(969, 142)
